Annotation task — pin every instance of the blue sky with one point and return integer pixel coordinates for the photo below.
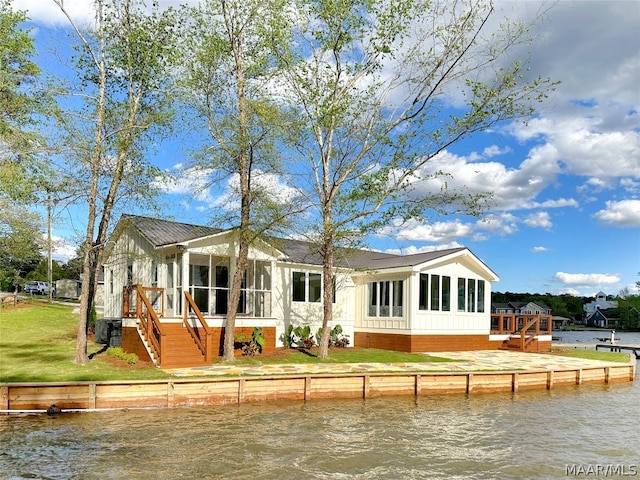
(566, 212)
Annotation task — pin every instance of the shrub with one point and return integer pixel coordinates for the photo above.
(253, 345)
(130, 358)
(288, 338)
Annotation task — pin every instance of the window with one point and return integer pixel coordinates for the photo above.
(396, 304)
(481, 296)
(315, 287)
(307, 287)
(435, 292)
(154, 273)
(461, 294)
(424, 288)
(199, 289)
(471, 292)
(386, 299)
(111, 282)
(298, 286)
(446, 294)
(221, 289)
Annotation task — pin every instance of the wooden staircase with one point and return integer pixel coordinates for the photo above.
(526, 340)
(190, 343)
(180, 350)
(514, 343)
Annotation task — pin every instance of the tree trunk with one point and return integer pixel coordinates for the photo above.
(327, 286)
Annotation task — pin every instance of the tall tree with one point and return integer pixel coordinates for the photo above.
(124, 71)
(20, 98)
(227, 86)
(376, 85)
(23, 104)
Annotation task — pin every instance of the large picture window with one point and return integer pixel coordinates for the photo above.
(386, 299)
(435, 292)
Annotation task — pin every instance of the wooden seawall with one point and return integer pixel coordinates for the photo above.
(183, 392)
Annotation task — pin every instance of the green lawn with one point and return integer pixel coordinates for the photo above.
(339, 355)
(591, 354)
(37, 344)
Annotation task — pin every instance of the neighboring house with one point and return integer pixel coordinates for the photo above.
(600, 303)
(434, 301)
(603, 318)
(521, 308)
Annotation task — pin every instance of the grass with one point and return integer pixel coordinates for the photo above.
(38, 340)
(591, 354)
(37, 344)
(338, 355)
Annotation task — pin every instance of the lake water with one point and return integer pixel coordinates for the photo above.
(585, 432)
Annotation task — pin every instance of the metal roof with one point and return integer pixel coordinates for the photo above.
(165, 232)
(161, 232)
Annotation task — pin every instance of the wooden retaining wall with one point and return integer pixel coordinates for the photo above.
(15, 397)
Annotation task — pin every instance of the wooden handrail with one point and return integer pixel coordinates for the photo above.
(534, 321)
(205, 345)
(510, 323)
(149, 320)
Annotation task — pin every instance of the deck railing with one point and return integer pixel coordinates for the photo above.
(154, 295)
(137, 304)
(203, 335)
(509, 324)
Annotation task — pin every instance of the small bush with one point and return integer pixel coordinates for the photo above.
(130, 358)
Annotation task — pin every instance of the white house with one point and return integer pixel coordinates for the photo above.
(599, 303)
(434, 301)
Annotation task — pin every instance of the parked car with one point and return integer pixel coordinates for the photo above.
(37, 288)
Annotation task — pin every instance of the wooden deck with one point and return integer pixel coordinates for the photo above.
(189, 343)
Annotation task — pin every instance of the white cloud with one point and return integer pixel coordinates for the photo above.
(586, 279)
(625, 213)
(411, 250)
(194, 183)
(48, 13)
(539, 220)
(512, 188)
(61, 250)
(539, 249)
(630, 185)
(438, 232)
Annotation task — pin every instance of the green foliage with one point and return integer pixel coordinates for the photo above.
(304, 338)
(287, 337)
(336, 338)
(20, 244)
(91, 324)
(563, 305)
(19, 102)
(117, 352)
(253, 345)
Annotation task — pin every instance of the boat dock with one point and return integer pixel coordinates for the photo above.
(619, 348)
